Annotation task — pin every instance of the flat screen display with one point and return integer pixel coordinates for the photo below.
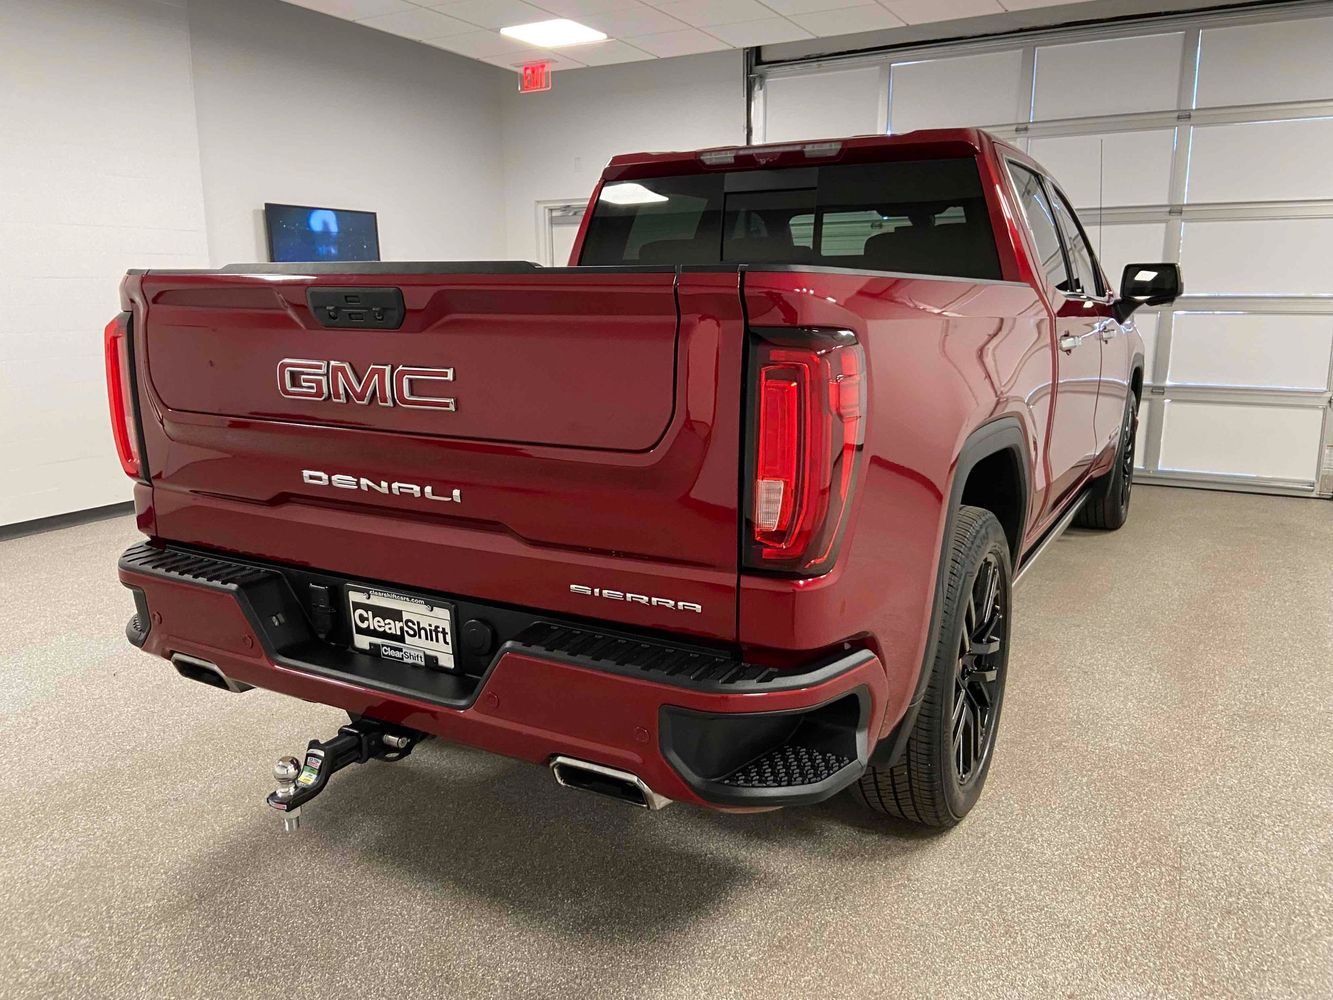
(304, 233)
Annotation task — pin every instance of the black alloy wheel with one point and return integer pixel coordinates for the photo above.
(976, 681)
(1129, 436)
(936, 777)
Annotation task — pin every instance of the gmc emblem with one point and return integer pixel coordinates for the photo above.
(387, 385)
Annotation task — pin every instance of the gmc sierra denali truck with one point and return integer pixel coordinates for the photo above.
(727, 512)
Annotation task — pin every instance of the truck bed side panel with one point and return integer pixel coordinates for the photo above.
(938, 353)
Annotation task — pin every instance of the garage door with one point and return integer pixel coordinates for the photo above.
(1204, 140)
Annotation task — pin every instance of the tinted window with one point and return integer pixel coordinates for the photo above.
(918, 217)
(665, 220)
(759, 226)
(1081, 259)
(1041, 221)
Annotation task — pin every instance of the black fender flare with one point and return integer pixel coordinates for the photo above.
(1004, 433)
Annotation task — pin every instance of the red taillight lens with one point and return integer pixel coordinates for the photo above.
(123, 425)
(808, 425)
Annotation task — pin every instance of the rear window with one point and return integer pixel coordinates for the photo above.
(913, 216)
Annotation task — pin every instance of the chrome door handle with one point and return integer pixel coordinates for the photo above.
(1107, 330)
(1069, 341)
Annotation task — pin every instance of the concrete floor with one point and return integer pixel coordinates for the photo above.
(1157, 821)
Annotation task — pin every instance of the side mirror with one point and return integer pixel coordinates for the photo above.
(1148, 285)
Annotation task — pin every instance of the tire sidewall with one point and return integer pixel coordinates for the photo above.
(989, 540)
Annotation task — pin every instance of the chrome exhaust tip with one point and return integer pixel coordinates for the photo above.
(205, 672)
(601, 780)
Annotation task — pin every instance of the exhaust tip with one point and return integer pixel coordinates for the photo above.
(620, 785)
(194, 669)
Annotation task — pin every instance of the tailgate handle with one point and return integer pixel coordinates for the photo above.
(343, 308)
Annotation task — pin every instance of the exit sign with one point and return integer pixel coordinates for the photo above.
(534, 76)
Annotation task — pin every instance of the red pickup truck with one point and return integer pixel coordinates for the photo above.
(727, 512)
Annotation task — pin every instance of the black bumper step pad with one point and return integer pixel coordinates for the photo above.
(788, 767)
(678, 663)
(145, 558)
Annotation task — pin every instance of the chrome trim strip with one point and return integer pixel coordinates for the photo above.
(1051, 536)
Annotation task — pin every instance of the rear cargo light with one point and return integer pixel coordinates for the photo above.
(124, 427)
(807, 425)
(764, 154)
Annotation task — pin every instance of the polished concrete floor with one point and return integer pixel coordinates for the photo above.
(1157, 822)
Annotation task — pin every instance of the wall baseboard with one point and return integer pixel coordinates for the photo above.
(41, 524)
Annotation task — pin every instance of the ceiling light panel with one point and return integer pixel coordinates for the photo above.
(554, 33)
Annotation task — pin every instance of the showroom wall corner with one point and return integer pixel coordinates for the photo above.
(99, 172)
(298, 107)
(557, 142)
(149, 133)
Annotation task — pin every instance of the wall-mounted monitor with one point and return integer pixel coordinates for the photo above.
(304, 233)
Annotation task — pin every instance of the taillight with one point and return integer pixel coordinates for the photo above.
(124, 427)
(807, 425)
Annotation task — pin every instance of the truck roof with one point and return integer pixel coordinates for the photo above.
(919, 144)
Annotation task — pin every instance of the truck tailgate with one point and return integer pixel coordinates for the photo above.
(581, 455)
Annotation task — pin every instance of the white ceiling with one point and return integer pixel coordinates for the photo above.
(650, 29)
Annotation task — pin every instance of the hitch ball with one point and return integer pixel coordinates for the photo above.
(285, 772)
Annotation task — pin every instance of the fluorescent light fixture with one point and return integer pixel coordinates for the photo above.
(629, 193)
(553, 34)
(1145, 276)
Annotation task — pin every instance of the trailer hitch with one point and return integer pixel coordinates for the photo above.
(356, 743)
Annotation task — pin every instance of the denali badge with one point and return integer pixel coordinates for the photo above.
(620, 595)
(387, 385)
(313, 477)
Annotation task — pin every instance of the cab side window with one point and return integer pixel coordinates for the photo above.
(1082, 263)
(1041, 221)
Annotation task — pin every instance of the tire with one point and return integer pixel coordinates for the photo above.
(1107, 506)
(949, 749)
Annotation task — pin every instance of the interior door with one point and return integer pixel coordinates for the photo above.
(1071, 439)
(562, 228)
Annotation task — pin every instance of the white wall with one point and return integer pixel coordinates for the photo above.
(298, 107)
(149, 133)
(557, 142)
(99, 172)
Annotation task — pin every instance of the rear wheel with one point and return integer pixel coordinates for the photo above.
(1107, 506)
(948, 753)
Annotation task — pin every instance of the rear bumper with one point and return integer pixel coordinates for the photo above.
(694, 726)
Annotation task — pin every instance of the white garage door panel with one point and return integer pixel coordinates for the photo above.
(1262, 257)
(1262, 161)
(1141, 439)
(1072, 80)
(1278, 352)
(963, 90)
(823, 105)
(1266, 63)
(1280, 442)
(1136, 171)
(1135, 243)
(1204, 138)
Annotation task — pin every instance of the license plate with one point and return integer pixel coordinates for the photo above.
(398, 627)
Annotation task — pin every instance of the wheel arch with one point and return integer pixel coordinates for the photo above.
(1136, 376)
(996, 444)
